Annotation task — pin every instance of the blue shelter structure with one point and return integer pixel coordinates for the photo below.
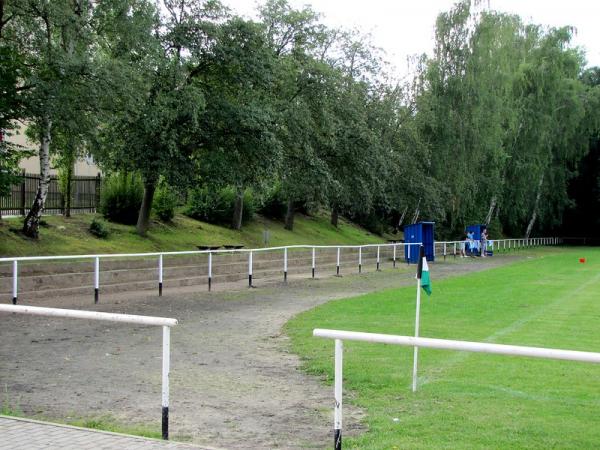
(422, 232)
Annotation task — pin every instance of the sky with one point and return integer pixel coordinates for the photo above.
(403, 28)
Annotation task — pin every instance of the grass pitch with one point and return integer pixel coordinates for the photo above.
(468, 400)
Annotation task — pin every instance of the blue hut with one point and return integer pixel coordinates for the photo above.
(422, 232)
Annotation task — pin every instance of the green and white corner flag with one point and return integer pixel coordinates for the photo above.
(423, 272)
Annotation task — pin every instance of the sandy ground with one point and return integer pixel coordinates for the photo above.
(233, 382)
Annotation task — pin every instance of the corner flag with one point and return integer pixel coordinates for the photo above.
(423, 271)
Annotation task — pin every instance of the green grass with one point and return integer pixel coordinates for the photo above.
(468, 400)
(107, 423)
(71, 236)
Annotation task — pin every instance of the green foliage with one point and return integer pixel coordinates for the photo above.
(121, 198)
(216, 206)
(164, 203)
(99, 229)
(493, 125)
(273, 204)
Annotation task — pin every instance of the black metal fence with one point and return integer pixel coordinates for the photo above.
(85, 195)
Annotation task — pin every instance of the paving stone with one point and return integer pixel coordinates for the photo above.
(17, 433)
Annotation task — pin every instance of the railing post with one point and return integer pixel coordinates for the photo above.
(209, 271)
(378, 258)
(165, 381)
(444, 251)
(313, 262)
(408, 259)
(337, 392)
(359, 259)
(15, 282)
(337, 264)
(96, 278)
(454, 250)
(285, 264)
(394, 258)
(160, 274)
(250, 269)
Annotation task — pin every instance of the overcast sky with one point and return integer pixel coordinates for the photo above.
(405, 27)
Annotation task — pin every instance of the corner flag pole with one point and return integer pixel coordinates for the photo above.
(417, 316)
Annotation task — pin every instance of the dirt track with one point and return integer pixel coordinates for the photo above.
(233, 383)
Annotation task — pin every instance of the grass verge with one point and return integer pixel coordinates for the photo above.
(61, 236)
(468, 400)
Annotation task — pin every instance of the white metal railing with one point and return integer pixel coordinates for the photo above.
(453, 248)
(210, 253)
(443, 344)
(165, 323)
(504, 244)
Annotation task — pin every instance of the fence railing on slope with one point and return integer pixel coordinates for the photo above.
(165, 323)
(85, 195)
(342, 256)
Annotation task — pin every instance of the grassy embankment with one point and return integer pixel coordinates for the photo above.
(468, 400)
(71, 236)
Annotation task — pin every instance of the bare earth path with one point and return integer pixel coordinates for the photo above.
(233, 384)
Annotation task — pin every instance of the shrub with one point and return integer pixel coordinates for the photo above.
(98, 228)
(164, 203)
(217, 206)
(121, 198)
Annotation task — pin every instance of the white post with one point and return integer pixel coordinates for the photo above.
(444, 251)
(416, 349)
(313, 262)
(96, 278)
(165, 381)
(285, 264)
(160, 274)
(337, 392)
(337, 265)
(408, 259)
(454, 250)
(378, 258)
(394, 258)
(250, 269)
(209, 271)
(15, 281)
(359, 259)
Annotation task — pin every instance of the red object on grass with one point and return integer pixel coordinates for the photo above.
(581, 260)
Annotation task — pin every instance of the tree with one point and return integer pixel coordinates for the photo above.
(299, 44)
(11, 108)
(239, 147)
(153, 127)
(54, 42)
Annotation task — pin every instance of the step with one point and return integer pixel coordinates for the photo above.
(259, 277)
(31, 282)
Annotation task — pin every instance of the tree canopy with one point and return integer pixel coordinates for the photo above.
(492, 128)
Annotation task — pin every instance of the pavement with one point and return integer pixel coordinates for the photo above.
(20, 434)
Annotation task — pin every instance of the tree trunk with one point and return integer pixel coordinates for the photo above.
(334, 216)
(417, 212)
(289, 215)
(144, 215)
(401, 220)
(490, 213)
(31, 224)
(238, 209)
(535, 208)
